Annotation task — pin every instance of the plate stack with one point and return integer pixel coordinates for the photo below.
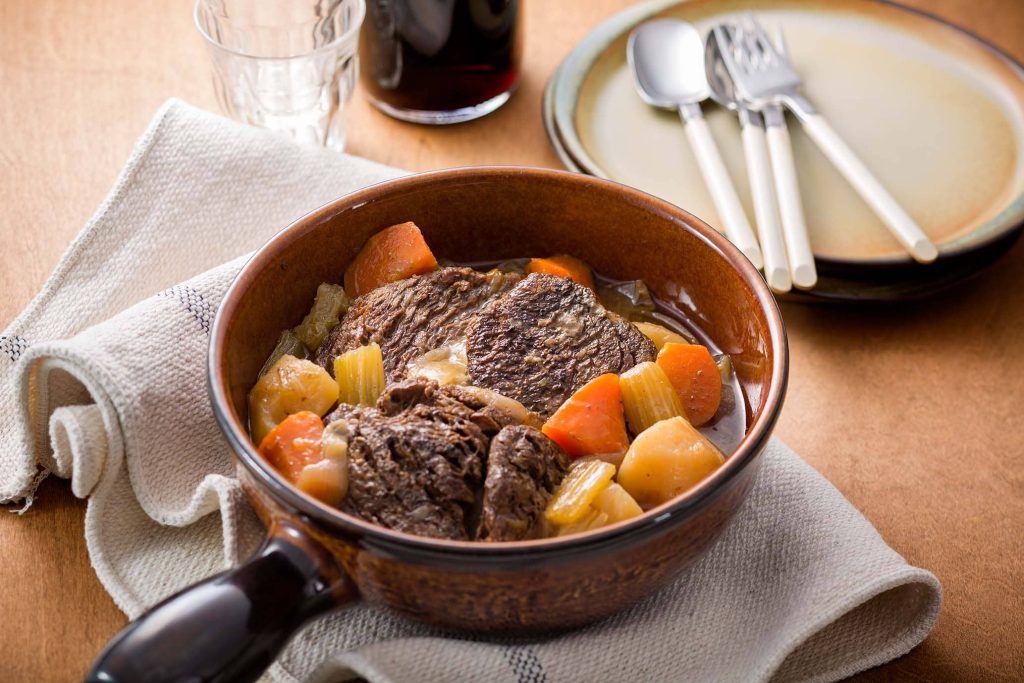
(935, 112)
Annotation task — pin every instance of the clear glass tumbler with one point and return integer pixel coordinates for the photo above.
(286, 65)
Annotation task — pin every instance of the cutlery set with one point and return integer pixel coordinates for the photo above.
(741, 68)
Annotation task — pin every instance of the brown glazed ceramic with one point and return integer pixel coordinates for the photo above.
(317, 558)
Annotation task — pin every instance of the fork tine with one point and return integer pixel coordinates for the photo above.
(764, 42)
(724, 35)
(752, 49)
(780, 42)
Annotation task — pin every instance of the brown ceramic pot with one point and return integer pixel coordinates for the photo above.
(317, 559)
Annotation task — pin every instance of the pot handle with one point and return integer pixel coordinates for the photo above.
(231, 626)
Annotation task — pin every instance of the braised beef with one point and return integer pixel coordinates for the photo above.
(417, 470)
(418, 396)
(545, 338)
(417, 462)
(490, 408)
(412, 316)
(523, 469)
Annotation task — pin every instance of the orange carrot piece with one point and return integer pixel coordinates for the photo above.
(563, 266)
(591, 420)
(695, 377)
(392, 254)
(294, 443)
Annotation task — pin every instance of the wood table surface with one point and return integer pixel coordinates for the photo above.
(913, 411)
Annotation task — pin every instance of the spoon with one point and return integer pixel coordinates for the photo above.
(667, 59)
(759, 169)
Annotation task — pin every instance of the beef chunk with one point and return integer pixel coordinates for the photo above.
(486, 409)
(547, 337)
(417, 395)
(523, 469)
(417, 470)
(491, 410)
(412, 316)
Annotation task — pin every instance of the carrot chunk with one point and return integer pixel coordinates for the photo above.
(695, 377)
(591, 420)
(563, 266)
(392, 254)
(294, 443)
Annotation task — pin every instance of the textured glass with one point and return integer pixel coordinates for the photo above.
(286, 65)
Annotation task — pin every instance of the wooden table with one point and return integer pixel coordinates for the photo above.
(913, 411)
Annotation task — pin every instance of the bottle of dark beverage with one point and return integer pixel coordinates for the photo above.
(440, 61)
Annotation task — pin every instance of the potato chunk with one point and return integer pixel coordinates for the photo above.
(616, 502)
(290, 386)
(666, 460)
(327, 481)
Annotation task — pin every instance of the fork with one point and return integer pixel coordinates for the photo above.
(764, 77)
(787, 191)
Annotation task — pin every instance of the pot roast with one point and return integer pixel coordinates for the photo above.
(506, 405)
(412, 316)
(535, 339)
(417, 463)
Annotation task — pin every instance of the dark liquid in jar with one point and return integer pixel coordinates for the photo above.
(439, 55)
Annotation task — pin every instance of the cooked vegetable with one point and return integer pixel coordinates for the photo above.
(335, 441)
(330, 303)
(392, 254)
(630, 299)
(592, 519)
(511, 407)
(287, 345)
(613, 504)
(666, 460)
(327, 480)
(660, 335)
(294, 444)
(563, 266)
(292, 385)
(648, 396)
(577, 491)
(591, 420)
(444, 365)
(616, 502)
(360, 375)
(614, 459)
(724, 363)
(515, 265)
(696, 378)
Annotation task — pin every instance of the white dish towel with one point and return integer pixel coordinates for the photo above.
(102, 381)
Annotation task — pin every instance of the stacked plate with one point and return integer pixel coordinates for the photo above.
(936, 113)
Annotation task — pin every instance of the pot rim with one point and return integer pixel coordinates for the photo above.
(654, 521)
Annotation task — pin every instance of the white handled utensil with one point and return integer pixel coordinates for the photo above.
(667, 59)
(794, 228)
(764, 76)
(759, 170)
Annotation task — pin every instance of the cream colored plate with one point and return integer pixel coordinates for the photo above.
(937, 115)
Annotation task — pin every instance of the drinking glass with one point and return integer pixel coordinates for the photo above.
(440, 61)
(286, 65)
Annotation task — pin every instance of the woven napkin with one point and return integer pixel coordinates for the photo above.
(102, 381)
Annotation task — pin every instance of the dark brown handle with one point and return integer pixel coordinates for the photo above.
(231, 626)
